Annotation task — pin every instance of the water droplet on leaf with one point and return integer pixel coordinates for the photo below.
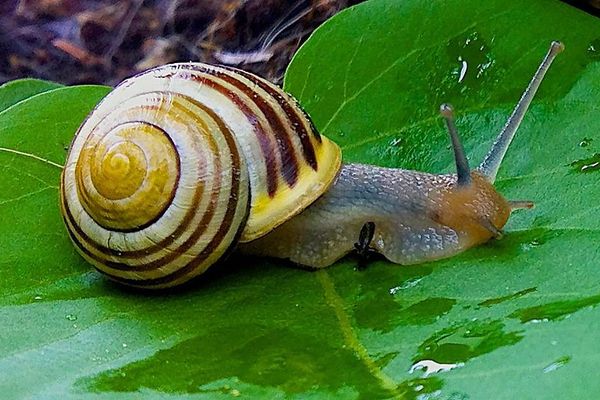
(472, 57)
(433, 367)
(589, 164)
(593, 49)
(396, 142)
(561, 362)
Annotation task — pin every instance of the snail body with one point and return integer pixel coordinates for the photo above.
(180, 163)
(418, 217)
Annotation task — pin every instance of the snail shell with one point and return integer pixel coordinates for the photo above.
(178, 163)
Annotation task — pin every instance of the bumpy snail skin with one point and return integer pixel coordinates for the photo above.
(476, 211)
(418, 217)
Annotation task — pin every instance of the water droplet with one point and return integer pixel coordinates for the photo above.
(463, 70)
(589, 164)
(433, 367)
(342, 134)
(462, 342)
(593, 166)
(538, 321)
(124, 345)
(421, 388)
(585, 142)
(554, 311)
(71, 317)
(396, 142)
(531, 244)
(406, 285)
(37, 298)
(472, 57)
(561, 362)
(593, 49)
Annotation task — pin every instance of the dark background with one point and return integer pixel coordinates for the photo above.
(104, 41)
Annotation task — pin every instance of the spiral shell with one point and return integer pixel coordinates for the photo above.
(178, 163)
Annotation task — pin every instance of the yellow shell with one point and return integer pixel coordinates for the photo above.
(178, 163)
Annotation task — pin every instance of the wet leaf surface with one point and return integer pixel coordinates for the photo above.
(515, 318)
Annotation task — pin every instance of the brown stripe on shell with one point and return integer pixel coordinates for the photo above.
(215, 241)
(313, 128)
(169, 239)
(85, 194)
(291, 112)
(259, 131)
(289, 163)
(226, 254)
(136, 254)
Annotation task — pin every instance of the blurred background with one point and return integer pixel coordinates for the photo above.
(104, 41)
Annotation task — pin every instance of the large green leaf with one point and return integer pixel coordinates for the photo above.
(15, 91)
(515, 318)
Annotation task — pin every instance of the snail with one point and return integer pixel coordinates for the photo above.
(183, 163)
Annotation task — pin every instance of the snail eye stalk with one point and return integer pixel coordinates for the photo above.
(492, 161)
(462, 164)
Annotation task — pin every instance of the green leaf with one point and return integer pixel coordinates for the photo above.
(515, 318)
(34, 138)
(15, 91)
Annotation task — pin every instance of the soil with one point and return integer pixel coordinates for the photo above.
(105, 41)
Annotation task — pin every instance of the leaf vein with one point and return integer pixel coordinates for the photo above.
(33, 156)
